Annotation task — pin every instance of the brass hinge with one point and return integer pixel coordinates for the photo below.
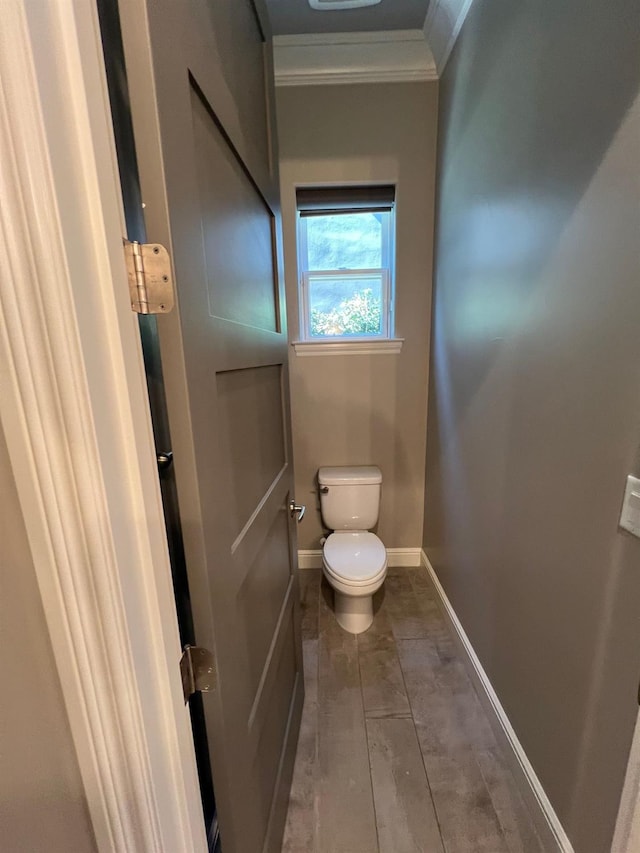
(198, 672)
(149, 271)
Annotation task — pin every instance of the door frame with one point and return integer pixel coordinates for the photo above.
(75, 411)
(626, 838)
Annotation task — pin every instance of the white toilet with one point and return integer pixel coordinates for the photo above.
(354, 561)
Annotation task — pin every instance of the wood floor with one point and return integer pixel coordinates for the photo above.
(395, 753)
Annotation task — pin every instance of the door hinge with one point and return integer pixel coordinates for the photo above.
(198, 672)
(150, 279)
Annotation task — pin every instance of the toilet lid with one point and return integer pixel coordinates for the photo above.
(354, 557)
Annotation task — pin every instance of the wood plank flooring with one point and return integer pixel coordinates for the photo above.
(396, 754)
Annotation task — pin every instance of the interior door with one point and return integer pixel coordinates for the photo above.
(202, 108)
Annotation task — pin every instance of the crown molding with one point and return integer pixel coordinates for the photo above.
(320, 59)
(442, 26)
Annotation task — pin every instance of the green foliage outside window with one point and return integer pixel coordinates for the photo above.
(358, 315)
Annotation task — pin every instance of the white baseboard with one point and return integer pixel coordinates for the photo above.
(310, 559)
(551, 832)
(403, 556)
(395, 557)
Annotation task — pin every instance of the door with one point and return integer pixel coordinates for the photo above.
(202, 109)
(111, 37)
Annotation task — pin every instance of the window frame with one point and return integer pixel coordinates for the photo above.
(385, 318)
(386, 272)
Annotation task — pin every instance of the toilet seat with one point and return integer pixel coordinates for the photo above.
(355, 558)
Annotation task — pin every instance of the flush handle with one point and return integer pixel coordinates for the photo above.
(296, 510)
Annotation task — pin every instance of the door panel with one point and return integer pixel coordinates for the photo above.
(261, 598)
(241, 48)
(252, 435)
(270, 695)
(273, 728)
(247, 545)
(234, 216)
(209, 193)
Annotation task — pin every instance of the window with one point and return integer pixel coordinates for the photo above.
(345, 249)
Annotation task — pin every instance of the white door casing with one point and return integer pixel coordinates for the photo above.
(73, 405)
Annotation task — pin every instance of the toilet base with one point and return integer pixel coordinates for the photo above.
(353, 613)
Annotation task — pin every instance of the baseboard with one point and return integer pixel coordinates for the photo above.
(404, 556)
(549, 828)
(310, 559)
(395, 557)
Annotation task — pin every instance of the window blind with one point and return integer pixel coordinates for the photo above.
(319, 201)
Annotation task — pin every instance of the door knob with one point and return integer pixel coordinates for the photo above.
(294, 509)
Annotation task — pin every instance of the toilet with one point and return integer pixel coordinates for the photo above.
(354, 561)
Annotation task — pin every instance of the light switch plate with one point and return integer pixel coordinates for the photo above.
(630, 515)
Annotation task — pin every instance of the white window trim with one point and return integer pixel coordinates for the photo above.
(386, 343)
(385, 276)
(371, 346)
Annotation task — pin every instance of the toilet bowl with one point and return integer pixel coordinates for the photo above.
(354, 560)
(355, 565)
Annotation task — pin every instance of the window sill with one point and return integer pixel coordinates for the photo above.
(389, 346)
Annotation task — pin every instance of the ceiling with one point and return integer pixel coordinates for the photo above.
(289, 17)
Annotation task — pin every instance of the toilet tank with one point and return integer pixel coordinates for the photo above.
(350, 496)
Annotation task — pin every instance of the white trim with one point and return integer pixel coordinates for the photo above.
(386, 272)
(332, 58)
(442, 26)
(312, 559)
(312, 276)
(547, 822)
(403, 556)
(74, 410)
(390, 346)
(626, 838)
(323, 5)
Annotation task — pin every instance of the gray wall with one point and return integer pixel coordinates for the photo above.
(42, 803)
(359, 409)
(534, 413)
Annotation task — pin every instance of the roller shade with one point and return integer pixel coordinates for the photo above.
(318, 201)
